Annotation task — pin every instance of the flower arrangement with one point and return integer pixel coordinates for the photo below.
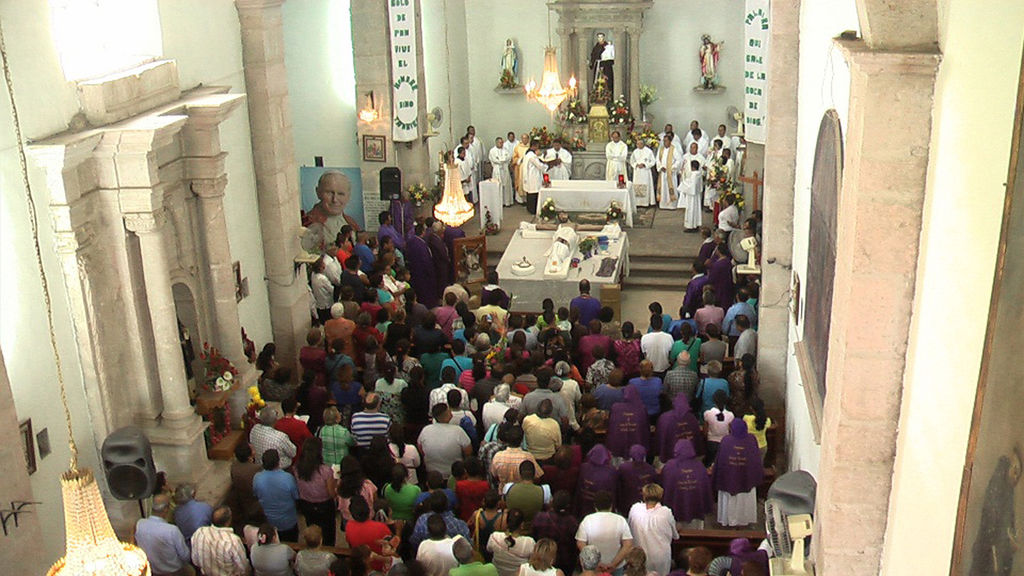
(718, 178)
(420, 194)
(614, 212)
(648, 95)
(572, 112)
(252, 410)
(548, 210)
(507, 80)
(220, 373)
(587, 245)
(619, 112)
(600, 93)
(735, 195)
(220, 425)
(541, 134)
(647, 136)
(577, 144)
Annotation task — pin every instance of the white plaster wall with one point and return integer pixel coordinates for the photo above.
(446, 66)
(824, 85)
(321, 81)
(974, 96)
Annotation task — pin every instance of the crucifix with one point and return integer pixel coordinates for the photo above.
(756, 182)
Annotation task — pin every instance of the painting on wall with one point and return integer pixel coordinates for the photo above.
(374, 148)
(990, 525)
(471, 259)
(331, 198)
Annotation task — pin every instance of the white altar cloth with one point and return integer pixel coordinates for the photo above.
(528, 292)
(490, 199)
(588, 196)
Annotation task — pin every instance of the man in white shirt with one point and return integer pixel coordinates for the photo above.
(533, 176)
(476, 146)
(669, 164)
(729, 216)
(510, 143)
(323, 291)
(442, 442)
(435, 553)
(561, 167)
(726, 140)
(615, 152)
(500, 157)
(654, 528)
(700, 137)
(607, 531)
(656, 345)
(642, 160)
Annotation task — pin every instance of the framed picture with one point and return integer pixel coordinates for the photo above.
(470, 260)
(28, 444)
(374, 148)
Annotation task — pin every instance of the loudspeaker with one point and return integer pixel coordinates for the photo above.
(390, 184)
(128, 464)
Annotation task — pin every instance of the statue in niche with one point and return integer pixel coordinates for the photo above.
(602, 60)
(709, 62)
(509, 66)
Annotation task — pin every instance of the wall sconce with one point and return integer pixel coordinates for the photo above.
(369, 114)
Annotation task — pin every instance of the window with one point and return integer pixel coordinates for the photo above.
(95, 38)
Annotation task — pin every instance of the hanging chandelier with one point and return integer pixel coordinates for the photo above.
(453, 209)
(550, 93)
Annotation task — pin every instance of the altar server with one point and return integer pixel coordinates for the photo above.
(464, 164)
(690, 196)
(616, 153)
(642, 160)
(533, 176)
(696, 134)
(500, 157)
(726, 140)
(518, 153)
(669, 164)
(692, 155)
(561, 170)
(476, 146)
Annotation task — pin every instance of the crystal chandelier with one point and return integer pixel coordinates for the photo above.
(550, 93)
(453, 209)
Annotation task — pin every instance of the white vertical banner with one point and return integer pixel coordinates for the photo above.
(404, 81)
(755, 69)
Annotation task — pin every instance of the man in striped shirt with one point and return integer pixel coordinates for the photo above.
(371, 422)
(216, 550)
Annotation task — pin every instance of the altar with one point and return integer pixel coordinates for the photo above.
(529, 291)
(588, 196)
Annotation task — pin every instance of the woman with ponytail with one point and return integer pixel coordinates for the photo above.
(270, 557)
(758, 423)
(716, 423)
(511, 548)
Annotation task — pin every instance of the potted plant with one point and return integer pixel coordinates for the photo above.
(548, 211)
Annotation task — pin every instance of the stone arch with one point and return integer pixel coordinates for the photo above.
(899, 24)
(187, 309)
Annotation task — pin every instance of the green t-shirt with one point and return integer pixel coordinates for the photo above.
(474, 569)
(694, 350)
(431, 363)
(527, 498)
(403, 501)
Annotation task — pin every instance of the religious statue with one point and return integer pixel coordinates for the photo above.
(602, 59)
(708, 62)
(509, 66)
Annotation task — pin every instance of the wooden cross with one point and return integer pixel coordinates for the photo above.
(756, 182)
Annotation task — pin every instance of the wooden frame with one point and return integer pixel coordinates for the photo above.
(375, 148)
(998, 387)
(28, 445)
(470, 259)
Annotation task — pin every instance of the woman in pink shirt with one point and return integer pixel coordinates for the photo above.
(710, 313)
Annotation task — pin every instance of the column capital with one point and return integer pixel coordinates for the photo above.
(209, 187)
(876, 61)
(144, 222)
(213, 109)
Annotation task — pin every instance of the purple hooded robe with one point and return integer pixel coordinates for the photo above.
(450, 235)
(741, 550)
(738, 466)
(705, 252)
(403, 217)
(442, 262)
(421, 270)
(634, 474)
(694, 292)
(677, 424)
(628, 423)
(596, 474)
(687, 484)
(720, 276)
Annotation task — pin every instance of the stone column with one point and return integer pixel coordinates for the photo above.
(621, 51)
(779, 189)
(633, 53)
(885, 170)
(277, 174)
(582, 59)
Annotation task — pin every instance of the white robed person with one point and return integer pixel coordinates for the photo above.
(471, 161)
(642, 160)
(500, 157)
(561, 159)
(670, 162)
(476, 146)
(690, 186)
(675, 137)
(464, 164)
(533, 175)
(616, 153)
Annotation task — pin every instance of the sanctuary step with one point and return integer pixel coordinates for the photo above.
(658, 271)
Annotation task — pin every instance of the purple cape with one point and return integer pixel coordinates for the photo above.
(741, 550)
(694, 291)
(442, 263)
(738, 466)
(628, 423)
(403, 217)
(450, 235)
(387, 230)
(679, 423)
(634, 474)
(421, 269)
(705, 252)
(720, 276)
(596, 474)
(687, 484)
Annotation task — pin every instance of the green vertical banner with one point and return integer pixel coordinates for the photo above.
(755, 69)
(404, 80)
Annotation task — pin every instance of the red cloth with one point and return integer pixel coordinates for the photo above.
(471, 496)
(370, 533)
(297, 432)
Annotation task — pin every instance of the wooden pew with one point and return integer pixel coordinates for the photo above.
(716, 540)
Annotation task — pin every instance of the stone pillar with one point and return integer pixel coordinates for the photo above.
(621, 52)
(633, 53)
(779, 189)
(582, 58)
(885, 170)
(277, 174)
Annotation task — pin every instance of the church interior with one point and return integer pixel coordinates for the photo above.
(165, 172)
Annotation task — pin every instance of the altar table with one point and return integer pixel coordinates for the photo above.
(528, 292)
(490, 199)
(589, 196)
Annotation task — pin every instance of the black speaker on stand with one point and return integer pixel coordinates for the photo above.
(128, 464)
(390, 184)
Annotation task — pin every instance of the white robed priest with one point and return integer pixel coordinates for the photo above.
(725, 138)
(616, 153)
(642, 160)
(471, 161)
(476, 146)
(689, 158)
(675, 137)
(700, 137)
(500, 157)
(670, 162)
(465, 167)
(562, 169)
(690, 195)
